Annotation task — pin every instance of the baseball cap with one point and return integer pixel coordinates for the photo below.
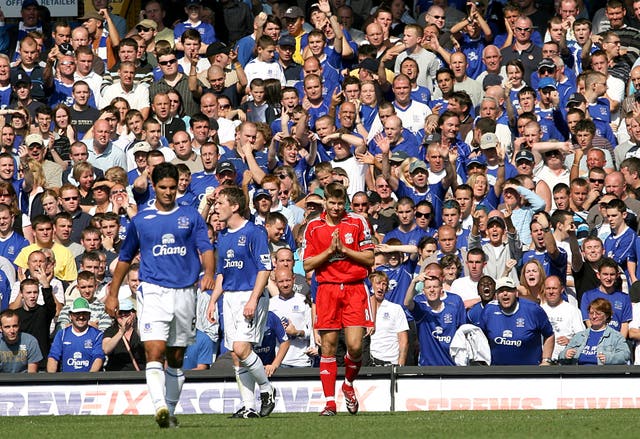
(491, 79)
(496, 220)
(293, 12)
(148, 23)
(398, 156)
(576, 98)
(524, 154)
(126, 304)
(419, 164)
(28, 3)
(547, 82)
(546, 63)
(141, 146)
(80, 305)
(505, 283)
(369, 64)
(225, 166)
(488, 141)
(478, 161)
(34, 138)
(216, 49)
(22, 78)
(192, 2)
(287, 40)
(91, 14)
(261, 193)
(66, 49)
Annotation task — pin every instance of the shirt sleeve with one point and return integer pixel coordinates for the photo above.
(56, 347)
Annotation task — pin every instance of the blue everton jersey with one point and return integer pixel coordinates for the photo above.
(399, 281)
(11, 246)
(169, 244)
(242, 253)
(274, 335)
(76, 352)
(620, 305)
(515, 339)
(435, 331)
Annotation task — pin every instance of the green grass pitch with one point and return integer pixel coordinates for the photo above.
(582, 424)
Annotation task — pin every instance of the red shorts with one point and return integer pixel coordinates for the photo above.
(342, 305)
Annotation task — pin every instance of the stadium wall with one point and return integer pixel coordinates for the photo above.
(379, 389)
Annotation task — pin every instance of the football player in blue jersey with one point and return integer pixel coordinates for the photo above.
(174, 247)
(242, 272)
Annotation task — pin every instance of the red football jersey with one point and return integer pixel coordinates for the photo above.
(354, 233)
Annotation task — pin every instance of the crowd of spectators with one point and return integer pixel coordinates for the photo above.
(494, 149)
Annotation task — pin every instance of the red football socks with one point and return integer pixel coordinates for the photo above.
(328, 374)
(351, 369)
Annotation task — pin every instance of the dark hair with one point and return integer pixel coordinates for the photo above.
(164, 170)
(236, 197)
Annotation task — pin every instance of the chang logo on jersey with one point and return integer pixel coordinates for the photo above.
(505, 340)
(437, 334)
(165, 249)
(77, 362)
(229, 261)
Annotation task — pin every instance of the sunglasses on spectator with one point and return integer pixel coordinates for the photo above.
(143, 29)
(168, 62)
(70, 198)
(596, 180)
(423, 214)
(359, 204)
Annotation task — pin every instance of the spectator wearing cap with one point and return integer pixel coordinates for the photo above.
(293, 18)
(286, 49)
(103, 42)
(421, 188)
(193, 9)
(34, 148)
(11, 35)
(22, 87)
(519, 331)
(498, 250)
(548, 109)
(498, 169)
(121, 342)
(77, 348)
